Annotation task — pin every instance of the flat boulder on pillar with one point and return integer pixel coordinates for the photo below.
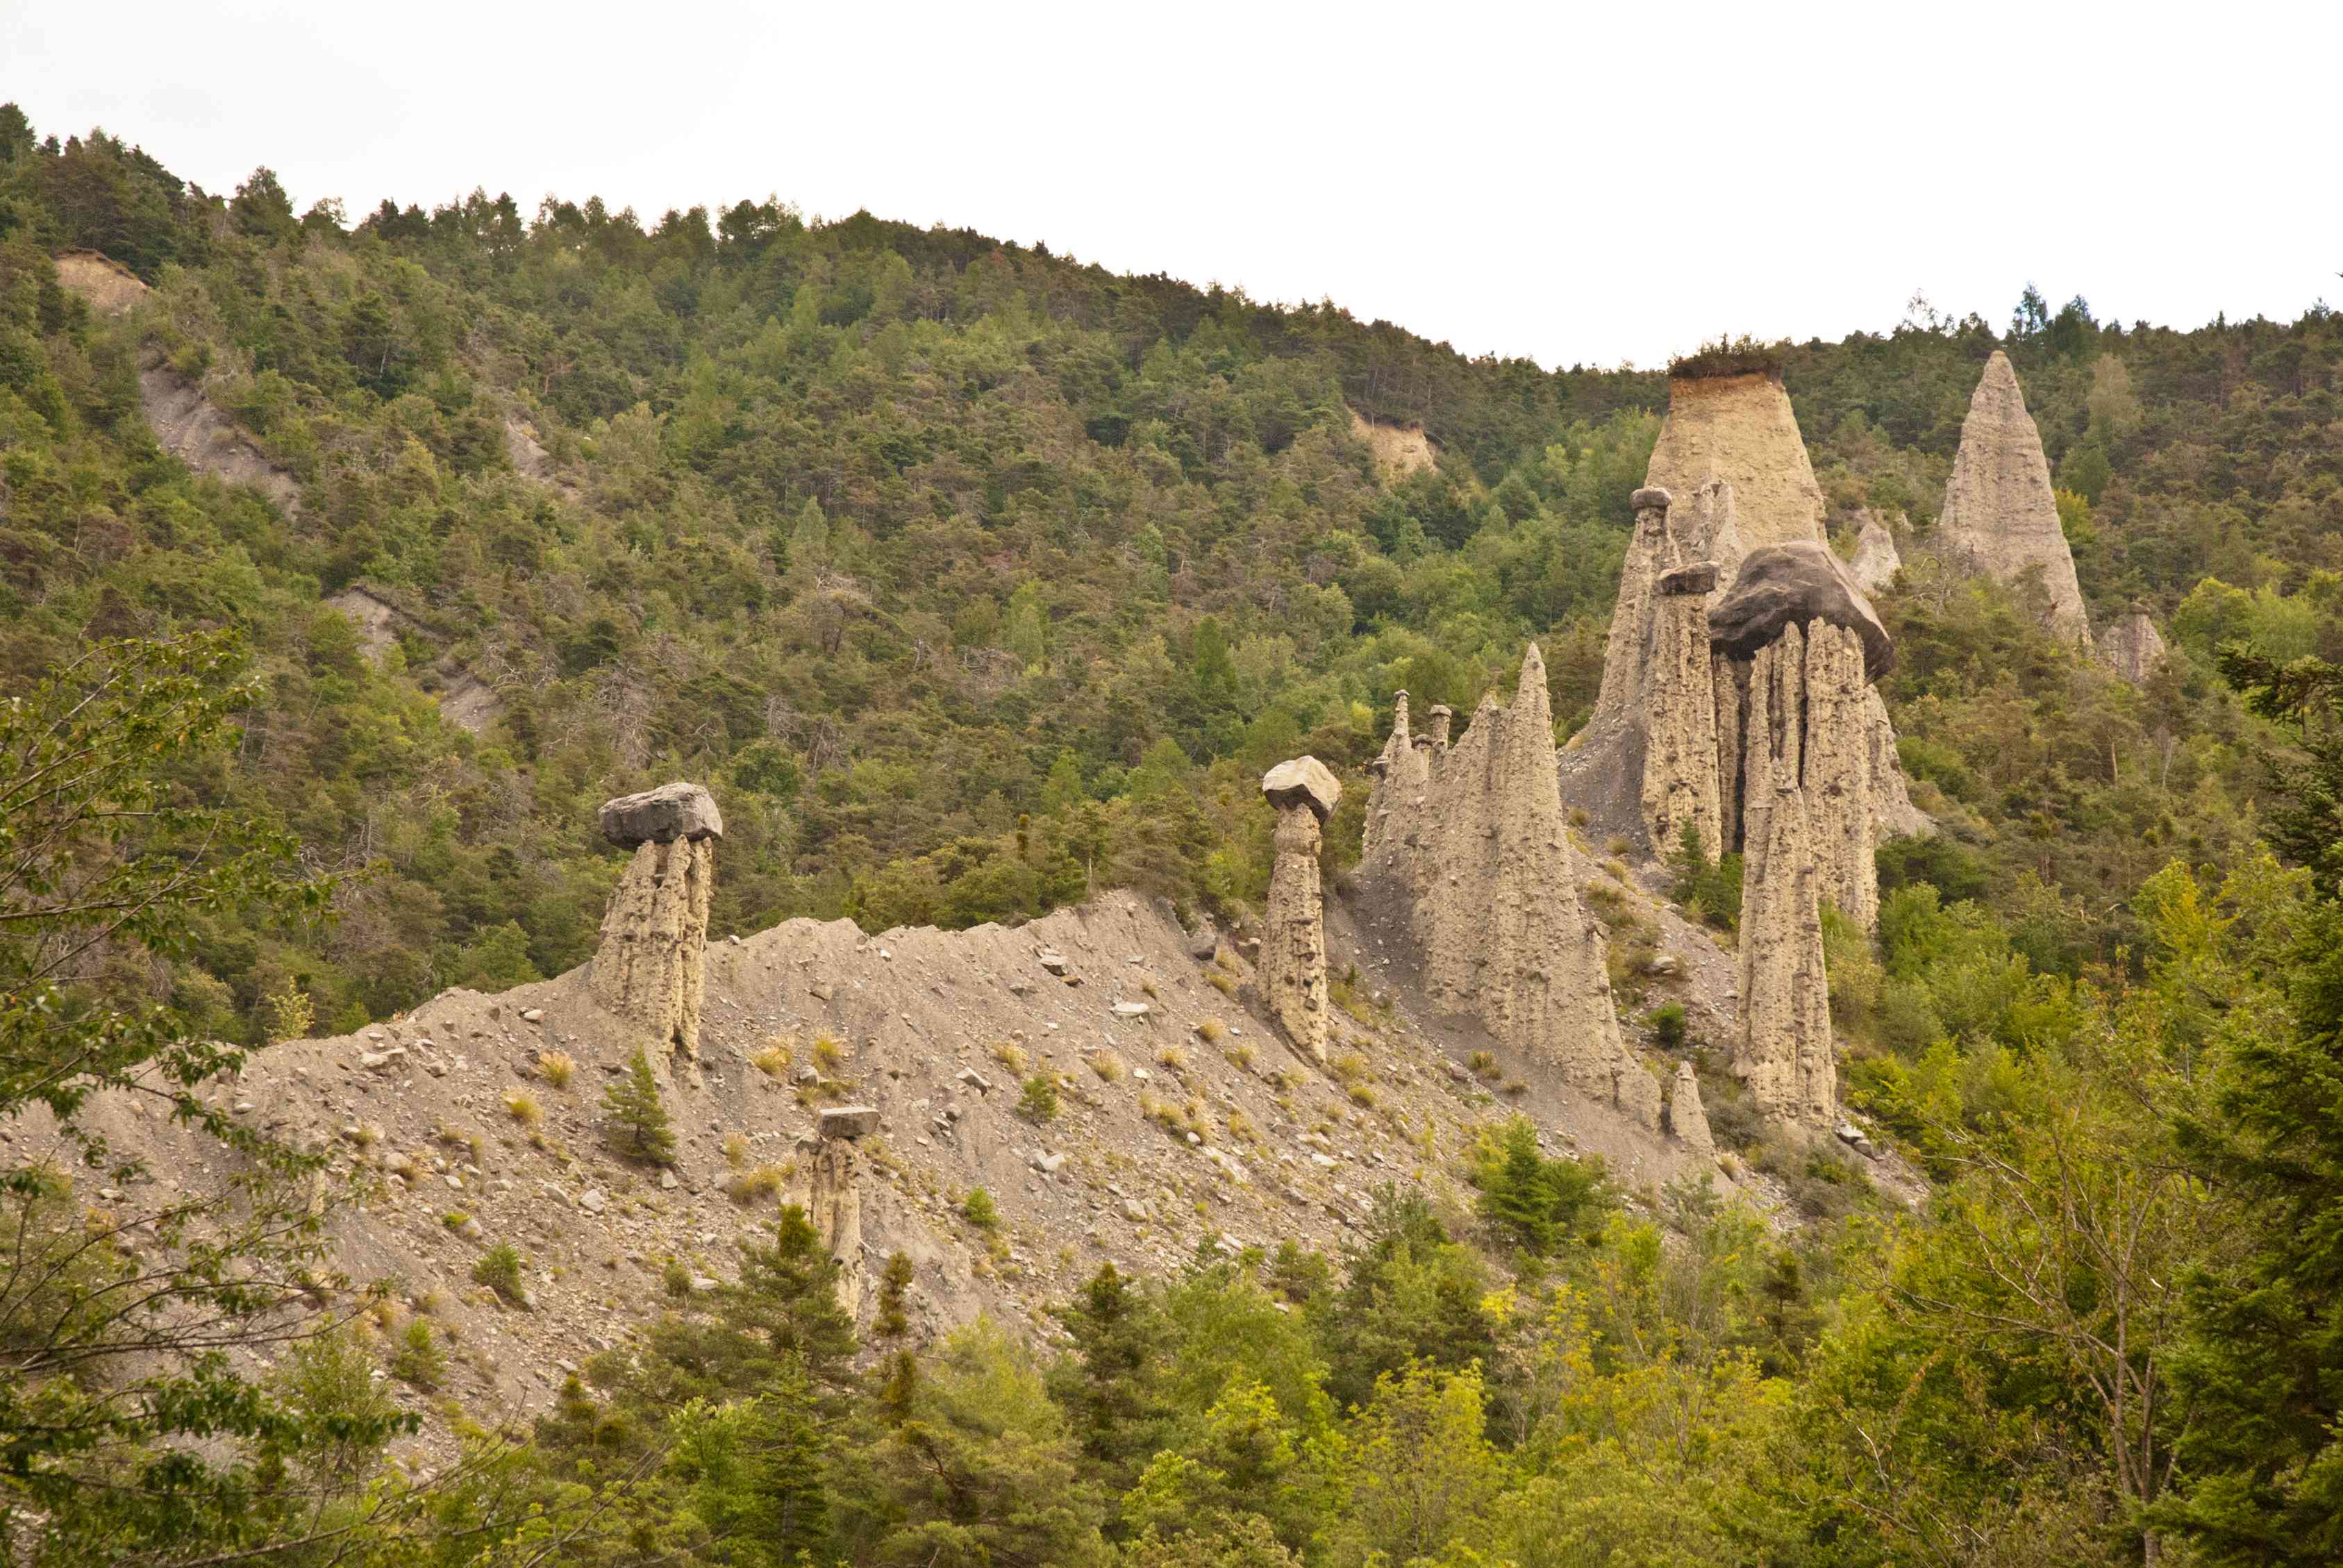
(1700, 577)
(1795, 584)
(850, 1122)
(662, 816)
(1304, 782)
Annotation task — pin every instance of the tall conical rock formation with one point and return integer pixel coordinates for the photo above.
(1877, 559)
(1475, 849)
(1728, 478)
(2000, 517)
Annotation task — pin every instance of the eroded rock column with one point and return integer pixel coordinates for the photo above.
(834, 1193)
(1836, 776)
(1291, 972)
(1687, 1118)
(651, 966)
(1680, 760)
(1785, 1052)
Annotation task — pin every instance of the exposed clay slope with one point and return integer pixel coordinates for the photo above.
(206, 440)
(1999, 516)
(1399, 450)
(110, 287)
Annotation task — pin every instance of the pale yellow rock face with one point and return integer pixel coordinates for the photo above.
(2133, 648)
(1680, 767)
(1785, 1053)
(1739, 430)
(1291, 972)
(651, 966)
(1687, 1118)
(1478, 851)
(834, 1206)
(1999, 517)
(1836, 776)
(1877, 559)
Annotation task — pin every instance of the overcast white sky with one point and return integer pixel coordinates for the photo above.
(1575, 184)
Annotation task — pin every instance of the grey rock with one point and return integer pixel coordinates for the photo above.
(592, 1201)
(1651, 499)
(1793, 585)
(850, 1122)
(1303, 781)
(1700, 577)
(661, 816)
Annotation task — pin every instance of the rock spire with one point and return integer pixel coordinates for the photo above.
(2000, 517)
(833, 1162)
(651, 966)
(1785, 1051)
(2132, 646)
(1477, 857)
(1292, 969)
(1687, 1119)
(1877, 560)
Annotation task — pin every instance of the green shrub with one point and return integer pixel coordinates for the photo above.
(1709, 889)
(420, 1363)
(1040, 1100)
(979, 1208)
(1540, 1204)
(499, 1269)
(1668, 1027)
(638, 1124)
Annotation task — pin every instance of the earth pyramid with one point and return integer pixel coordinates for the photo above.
(1999, 517)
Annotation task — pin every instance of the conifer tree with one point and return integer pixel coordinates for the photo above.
(639, 1124)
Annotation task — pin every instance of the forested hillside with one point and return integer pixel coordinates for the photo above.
(969, 578)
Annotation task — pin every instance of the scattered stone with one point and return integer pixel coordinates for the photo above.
(850, 1122)
(976, 1081)
(592, 1201)
(532, 1015)
(1131, 1009)
(1054, 961)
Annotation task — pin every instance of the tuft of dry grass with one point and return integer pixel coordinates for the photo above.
(1223, 982)
(557, 1067)
(1241, 1056)
(757, 1185)
(828, 1053)
(1483, 1065)
(1212, 1031)
(1008, 1054)
(736, 1150)
(1108, 1065)
(1349, 1068)
(1172, 1056)
(523, 1108)
(773, 1058)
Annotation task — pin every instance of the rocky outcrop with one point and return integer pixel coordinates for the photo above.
(1785, 1051)
(1794, 585)
(1877, 560)
(1687, 1119)
(1999, 517)
(110, 287)
(191, 429)
(2132, 646)
(650, 967)
(1477, 855)
(1745, 495)
(1291, 972)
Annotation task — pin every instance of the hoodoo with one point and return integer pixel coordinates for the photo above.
(834, 1191)
(1292, 970)
(1877, 560)
(1477, 856)
(2000, 517)
(1687, 1119)
(651, 966)
(1728, 482)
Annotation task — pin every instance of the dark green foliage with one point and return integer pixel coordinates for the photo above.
(1668, 1027)
(979, 1209)
(894, 1291)
(419, 1362)
(637, 1117)
(1710, 889)
(1039, 1102)
(1539, 1204)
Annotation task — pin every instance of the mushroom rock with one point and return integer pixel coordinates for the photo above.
(2000, 517)
(1291, 970)
(1785, 1052)
(1877, 560)
(1679, 756)
(1485, 880)
(1441, 715)
(650, 968)
(1687, 1120)
(2132, 646)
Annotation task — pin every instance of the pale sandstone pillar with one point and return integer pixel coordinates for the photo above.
(1291, 972)
(1680, 757)
(1785, 1053)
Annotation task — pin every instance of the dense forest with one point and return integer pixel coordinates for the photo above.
(970, 578)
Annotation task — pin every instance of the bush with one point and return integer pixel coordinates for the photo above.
(1668, 1027)
(557, 1067)
(499, 1269)
(979, 1208)
(772, 1058)
(1040, 1101)
(420, 1363)
(1540, 1204)
(523, 1108)
(894, 1290)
